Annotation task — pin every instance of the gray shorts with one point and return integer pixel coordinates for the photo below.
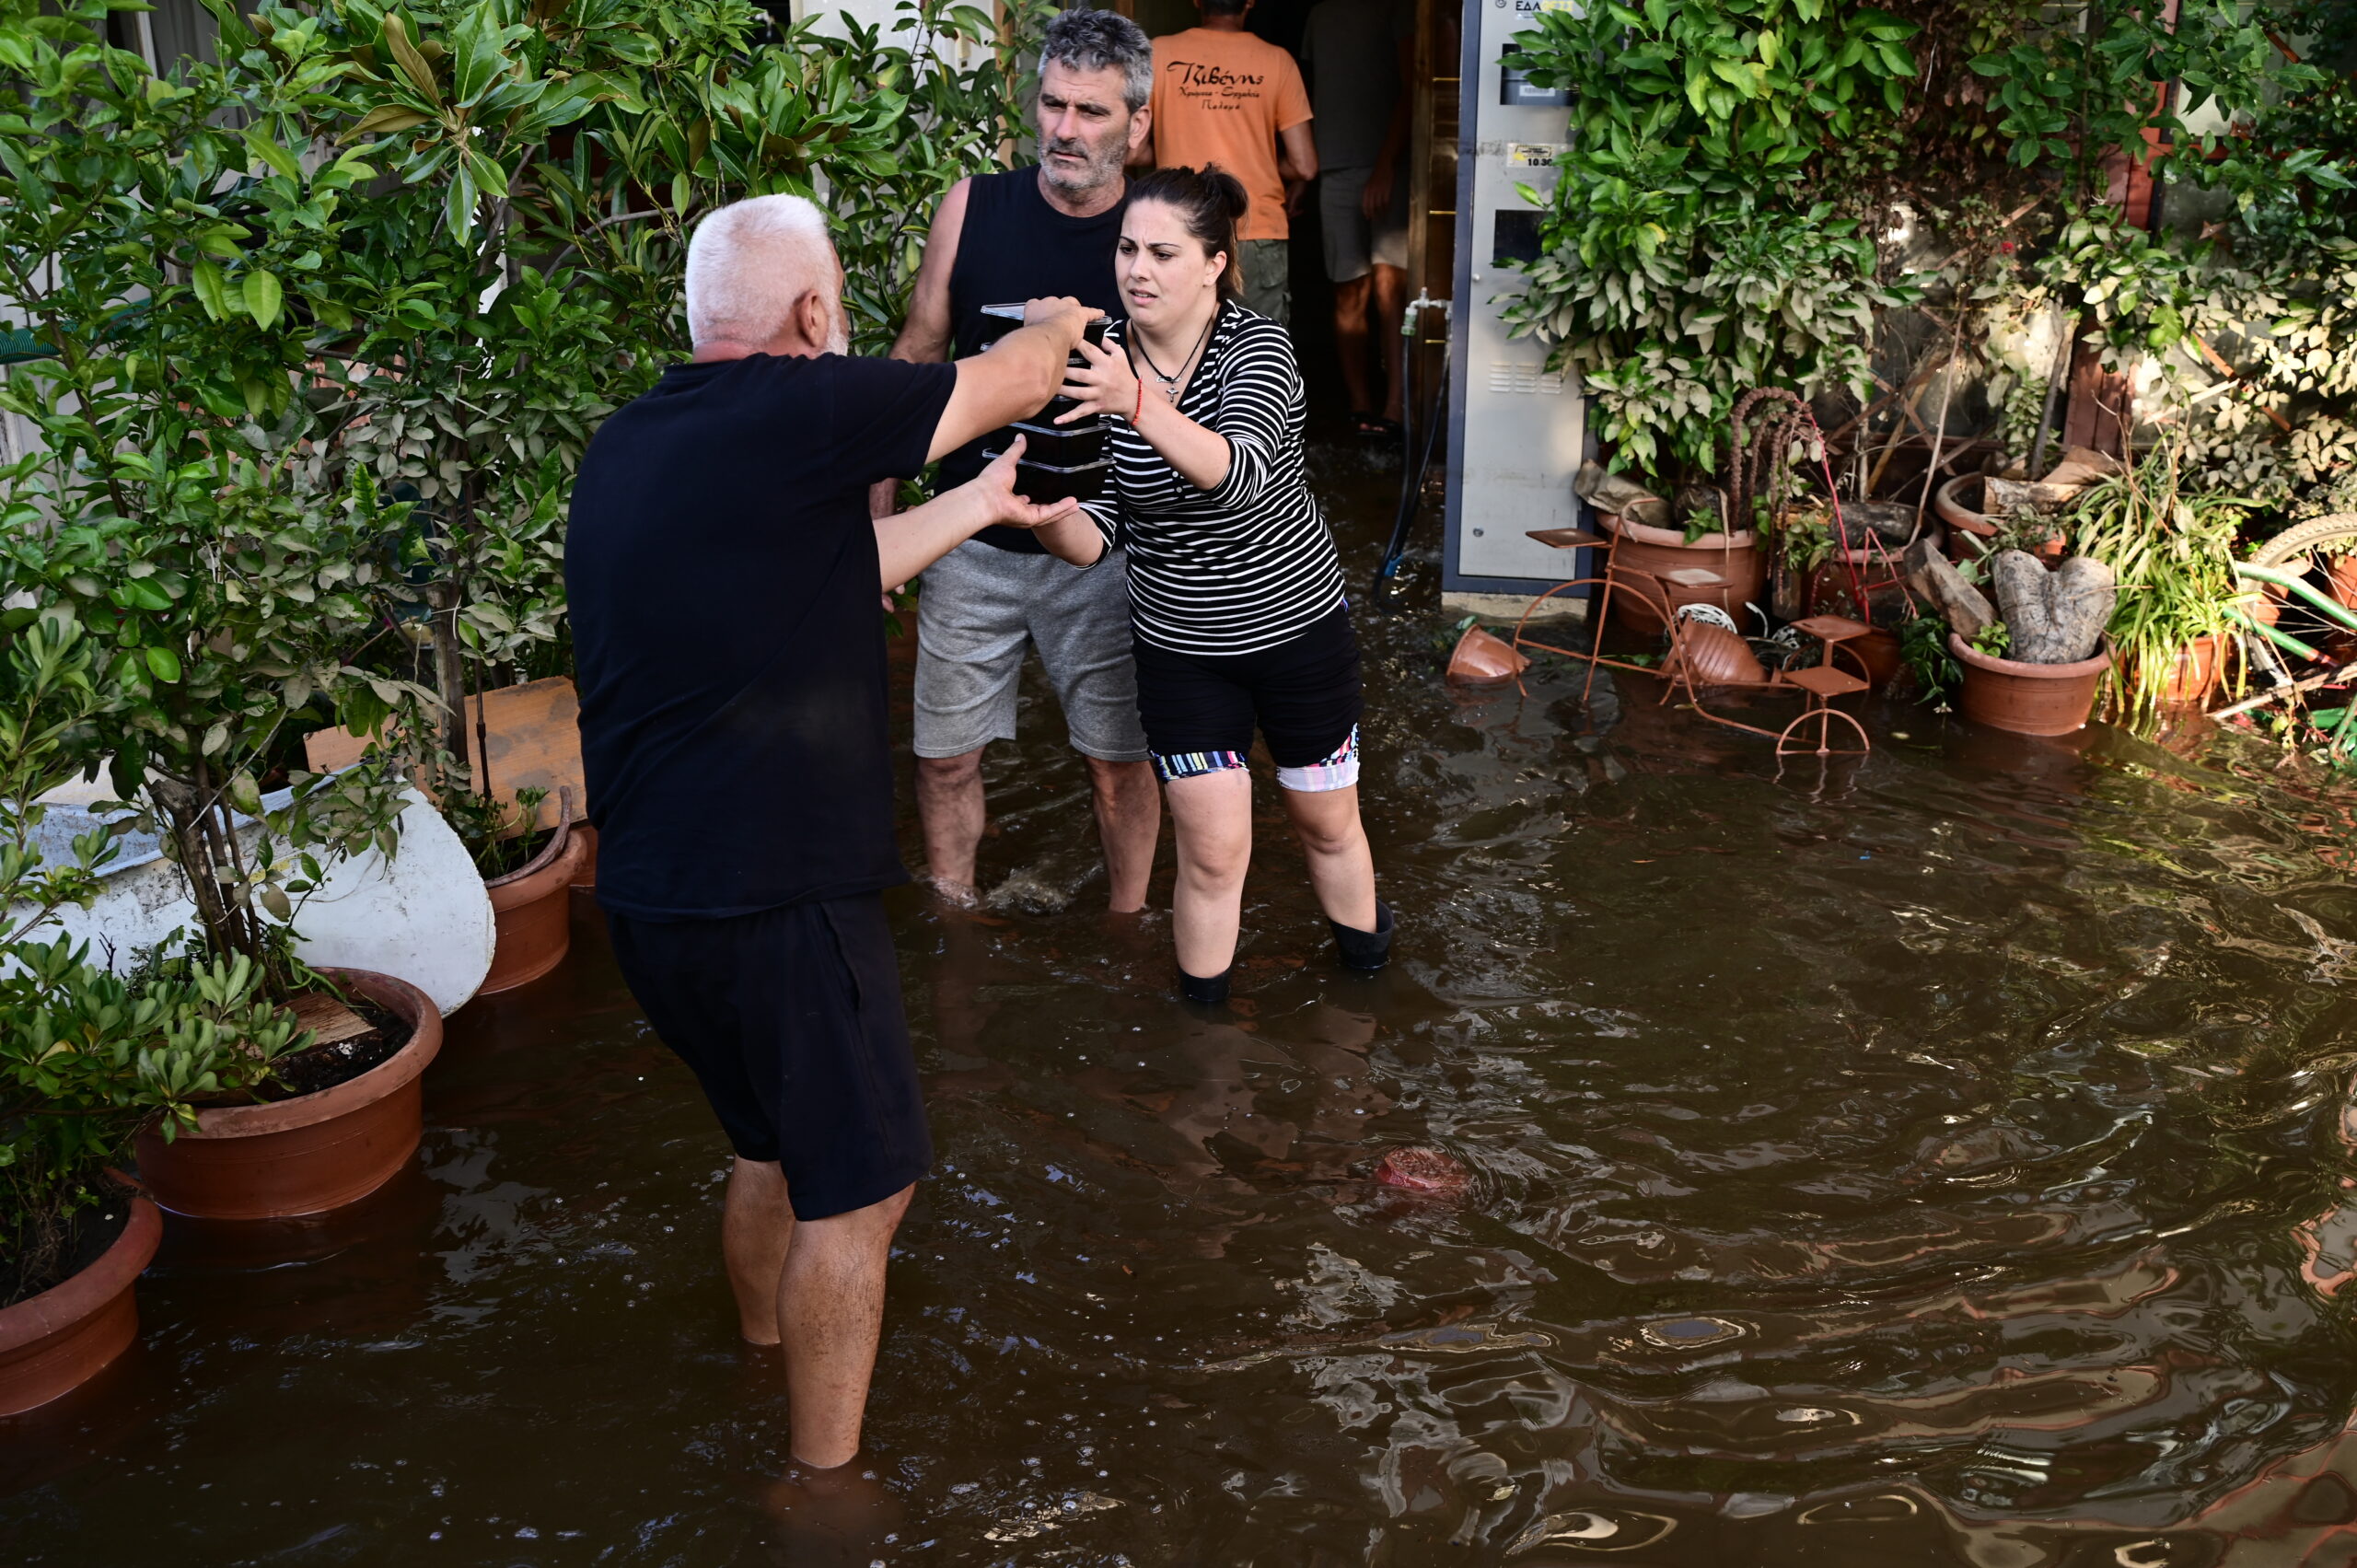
(980, 606)
(1354, 245)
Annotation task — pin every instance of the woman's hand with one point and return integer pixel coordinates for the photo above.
(994, 489)
(1105, 385)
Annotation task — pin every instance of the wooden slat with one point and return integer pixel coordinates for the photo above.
(535, 740)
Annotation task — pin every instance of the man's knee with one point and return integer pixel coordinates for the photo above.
(950, 772)
(1120, 782)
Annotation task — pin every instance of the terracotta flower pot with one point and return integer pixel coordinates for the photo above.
(2340, 576)
(310, 1153)
(1880, 651)
(2192, 674)
(1958, 502)
(533, 910)
(1481, 660)
(2028, 699)
(54, 1342)
(1661, 552)
(586, 877)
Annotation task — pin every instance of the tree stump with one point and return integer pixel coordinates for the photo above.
(1929, 573)
(2054, 617)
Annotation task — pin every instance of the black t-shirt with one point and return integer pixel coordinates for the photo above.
(722, 574)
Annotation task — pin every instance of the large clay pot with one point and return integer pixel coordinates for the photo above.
(533, 910)
(310, 1153)
(586, 877)
(1880, 651)
(54, 1342)
(2028, 699)
(2191, 676)
(1663, 551)
(2340, 576)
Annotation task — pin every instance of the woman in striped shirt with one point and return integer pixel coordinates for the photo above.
(1236, 601)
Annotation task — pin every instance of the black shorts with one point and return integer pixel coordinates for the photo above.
(791, 1019)
(1303, 695)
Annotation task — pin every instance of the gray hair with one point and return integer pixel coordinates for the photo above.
(1082, 39)
(749, 262)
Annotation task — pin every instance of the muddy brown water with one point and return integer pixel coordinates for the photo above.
(1945, 1160)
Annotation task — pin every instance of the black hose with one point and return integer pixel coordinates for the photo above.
(1412, 494)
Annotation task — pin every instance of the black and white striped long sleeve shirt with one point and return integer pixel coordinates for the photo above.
(1249, 563)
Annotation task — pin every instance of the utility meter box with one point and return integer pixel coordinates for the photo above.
(1517, 429)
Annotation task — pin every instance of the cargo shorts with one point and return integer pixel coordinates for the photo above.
(981, 607)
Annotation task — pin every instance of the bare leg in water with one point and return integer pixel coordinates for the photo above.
(816, 1289)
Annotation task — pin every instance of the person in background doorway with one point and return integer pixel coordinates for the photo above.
(721, 572)
(1359, 54)
(1040, 230)
(1224, 97)
(1236, 592)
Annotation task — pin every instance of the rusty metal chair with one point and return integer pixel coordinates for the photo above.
(1703, 657)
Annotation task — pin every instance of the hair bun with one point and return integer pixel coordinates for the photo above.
(1229, 192)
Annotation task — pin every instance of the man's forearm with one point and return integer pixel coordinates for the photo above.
(909, 542)
(920, 345)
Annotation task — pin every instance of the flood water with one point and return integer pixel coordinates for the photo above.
(1948, 1158)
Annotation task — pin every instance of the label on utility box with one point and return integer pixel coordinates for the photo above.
(1533, 155)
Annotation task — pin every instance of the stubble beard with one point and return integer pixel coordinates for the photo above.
(1104, 167)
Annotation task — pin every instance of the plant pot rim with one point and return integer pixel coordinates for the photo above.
(1671, 538)
(73, 1300)
(554, 866)
(1952, 509)
(387, 1076)
(1973, 657)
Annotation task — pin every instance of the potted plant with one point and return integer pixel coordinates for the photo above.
(2170, 547)
(170, 511)
(86, 1059)
(2034, 669)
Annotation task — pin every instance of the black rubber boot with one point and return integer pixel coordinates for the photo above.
(1365, 951)
(1194, 988)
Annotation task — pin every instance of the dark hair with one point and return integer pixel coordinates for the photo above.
(1223, 8)
(1210, 202)
(1091, 40)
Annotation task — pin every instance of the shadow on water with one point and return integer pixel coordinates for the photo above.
(1946, 1159)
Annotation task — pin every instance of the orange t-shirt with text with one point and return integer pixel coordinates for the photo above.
(1222, 98)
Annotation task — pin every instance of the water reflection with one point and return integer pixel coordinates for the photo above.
(1947, 1162)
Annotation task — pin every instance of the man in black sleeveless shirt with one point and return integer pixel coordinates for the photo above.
(1044, 230)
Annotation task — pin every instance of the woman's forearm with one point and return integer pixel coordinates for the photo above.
(1203, 457)
(1076, 539)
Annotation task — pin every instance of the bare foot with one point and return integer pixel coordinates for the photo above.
(957, 895)
(840, 1515)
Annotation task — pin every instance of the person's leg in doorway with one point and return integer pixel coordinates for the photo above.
(972, 631)
(1350, 343)
(1347, 234)
(1388, 286)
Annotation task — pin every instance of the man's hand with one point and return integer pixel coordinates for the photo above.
(1376, 200)
(994, 487)
(884, 498)
(1061, 309)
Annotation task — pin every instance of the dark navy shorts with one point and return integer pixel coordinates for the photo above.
(1302, 695)
(790, 1020)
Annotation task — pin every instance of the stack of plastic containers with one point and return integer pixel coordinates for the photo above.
(1059, 460)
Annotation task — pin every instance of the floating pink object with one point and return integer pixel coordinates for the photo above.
(1422, 1169)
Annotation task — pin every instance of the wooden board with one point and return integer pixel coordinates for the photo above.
(330, 1018)
(535, 740)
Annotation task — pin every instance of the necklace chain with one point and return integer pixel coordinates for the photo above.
(1169, 382)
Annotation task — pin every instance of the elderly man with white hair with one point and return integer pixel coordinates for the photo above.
(723, 572)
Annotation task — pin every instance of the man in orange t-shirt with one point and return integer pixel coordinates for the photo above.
(1223, 96)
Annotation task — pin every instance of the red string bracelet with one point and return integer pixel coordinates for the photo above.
(1141, 408)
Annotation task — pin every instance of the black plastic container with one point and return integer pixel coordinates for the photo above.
(1049, 482)
(1062, 446)
(999, 319)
